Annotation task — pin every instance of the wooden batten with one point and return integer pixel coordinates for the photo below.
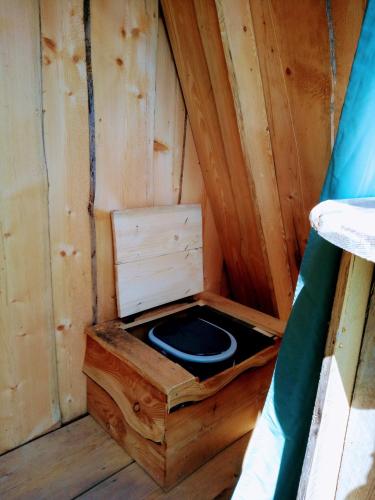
(170, 124)
(193, 191)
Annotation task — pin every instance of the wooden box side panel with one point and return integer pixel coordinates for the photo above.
(149, 455)
(143, 406)
(196, 433)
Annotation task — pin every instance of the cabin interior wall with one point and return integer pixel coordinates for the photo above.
(95, 120)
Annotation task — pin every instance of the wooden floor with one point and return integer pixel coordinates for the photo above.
(81, 461)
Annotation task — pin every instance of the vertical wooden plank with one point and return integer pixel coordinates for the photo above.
(244, 72)
(169, 126)
(67, 158)
(303, 44)
(327, 433)
(123, 41)
(193, 191)
(224, 180)
(28, 386)
(288, 165)
(357, 473)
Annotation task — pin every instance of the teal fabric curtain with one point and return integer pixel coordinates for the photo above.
(273, 462)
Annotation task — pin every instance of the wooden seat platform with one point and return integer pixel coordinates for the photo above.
(80, 460)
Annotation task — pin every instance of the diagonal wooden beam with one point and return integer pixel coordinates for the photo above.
(195, 39)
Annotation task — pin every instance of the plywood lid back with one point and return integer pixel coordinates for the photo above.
(158, 256)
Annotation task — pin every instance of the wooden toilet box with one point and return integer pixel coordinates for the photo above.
(167, 419)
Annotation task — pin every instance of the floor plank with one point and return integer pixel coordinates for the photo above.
(62, 464)
(216, 477)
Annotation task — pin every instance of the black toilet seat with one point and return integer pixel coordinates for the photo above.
(193, 340)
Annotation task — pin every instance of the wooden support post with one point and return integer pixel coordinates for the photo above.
(357, 473)
(331, 412)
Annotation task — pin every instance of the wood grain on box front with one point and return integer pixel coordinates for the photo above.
(192, 434)
(141, 403)
(105, 411)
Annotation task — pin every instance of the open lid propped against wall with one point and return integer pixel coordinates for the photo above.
(158, 256)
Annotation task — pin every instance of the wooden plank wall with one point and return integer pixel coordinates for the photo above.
(51, 288)
(287, 91)
(95, 119)
(28, 382)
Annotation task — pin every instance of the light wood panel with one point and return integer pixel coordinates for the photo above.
(357, 473)
(330, 417)
(170, 122)
(123, 43)
(238, 39)
(67, 158)
(62, 464)
(222, 179)
(158, 256)
(28, 385)
(143, 233)
(152, 282)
